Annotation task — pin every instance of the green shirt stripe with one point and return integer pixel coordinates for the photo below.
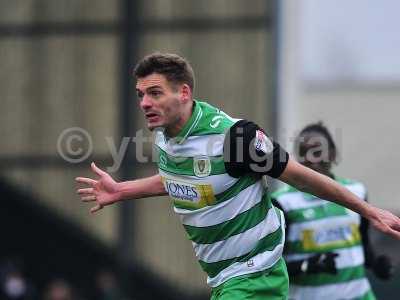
(297, 246)
(191, 123)
(242, 184)
(239, 224)
(212, 122)
(205, 129)
(267, 243)
(367, 296)
(184, 165)
(316, 213)
(282, 191)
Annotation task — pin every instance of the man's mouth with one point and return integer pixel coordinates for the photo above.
(151, 116)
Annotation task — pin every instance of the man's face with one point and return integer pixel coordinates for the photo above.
(314, 152)
(159, 101)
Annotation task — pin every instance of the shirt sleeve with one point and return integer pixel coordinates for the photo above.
(247, 149)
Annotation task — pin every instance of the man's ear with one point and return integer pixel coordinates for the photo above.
(186, 92)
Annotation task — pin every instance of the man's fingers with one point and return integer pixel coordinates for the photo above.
(86, 191)
(396, 225)
(86, 180)
(97, 170)
(396, 234)
(393, 232)
(96, 208)
(88, 198)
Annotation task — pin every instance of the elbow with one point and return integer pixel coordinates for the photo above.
(297, 176)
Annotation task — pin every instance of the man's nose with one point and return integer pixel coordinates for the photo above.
(146, 102)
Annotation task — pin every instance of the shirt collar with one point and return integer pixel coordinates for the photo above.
(190, 124)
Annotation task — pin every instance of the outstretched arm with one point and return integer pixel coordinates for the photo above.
(322, 186)
(248, 150)
(105, 190)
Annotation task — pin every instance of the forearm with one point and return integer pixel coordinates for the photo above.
(141, 188)
(323, 187)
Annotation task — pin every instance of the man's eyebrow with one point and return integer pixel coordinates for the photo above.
(153, 87)
(149, 88)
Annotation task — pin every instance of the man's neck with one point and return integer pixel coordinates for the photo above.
(181, 122)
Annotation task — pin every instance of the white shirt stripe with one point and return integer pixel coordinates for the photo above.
(258, 263)
(223, 211)
(340, 291)
(296, 229)
(207, 145)
(296, 200)
(239, 244)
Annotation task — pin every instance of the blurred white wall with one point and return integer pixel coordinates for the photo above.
(360, 108)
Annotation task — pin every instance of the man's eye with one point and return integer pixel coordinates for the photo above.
(155, 93)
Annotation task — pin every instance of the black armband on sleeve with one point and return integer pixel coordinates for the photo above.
(247, 149)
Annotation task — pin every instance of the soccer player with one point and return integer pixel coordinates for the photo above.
(327, 245)
(211, 165)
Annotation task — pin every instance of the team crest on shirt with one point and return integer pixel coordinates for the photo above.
(202, 166)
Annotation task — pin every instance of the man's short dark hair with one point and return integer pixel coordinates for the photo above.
(175, 68)
(323, 130)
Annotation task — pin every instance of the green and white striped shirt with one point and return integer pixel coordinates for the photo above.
(231, 222)
(318, 226)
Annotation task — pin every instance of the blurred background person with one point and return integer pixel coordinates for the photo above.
(14, 285)
(327, 246)
(107, 286)
(59, 289)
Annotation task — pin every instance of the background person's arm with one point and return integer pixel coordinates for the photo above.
(323, 187)
(105, 190)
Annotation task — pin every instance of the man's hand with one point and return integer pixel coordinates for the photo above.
(103, 191)
(384, 221)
